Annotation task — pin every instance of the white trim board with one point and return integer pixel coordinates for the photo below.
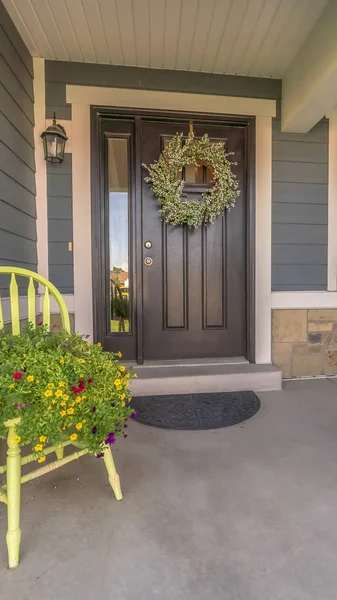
(148, 99)
(288, 300)
(332, 202)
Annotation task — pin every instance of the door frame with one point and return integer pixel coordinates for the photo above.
(99, 253)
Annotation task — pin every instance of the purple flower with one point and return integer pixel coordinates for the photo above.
(11, 343)
(93, 409)
(87, 336)
(125, 426)
(94, 429)
(111, 438)
(63, 345)
(100, 455)
(20, 406)
(125, 435)
(112, 404)
(134, 415)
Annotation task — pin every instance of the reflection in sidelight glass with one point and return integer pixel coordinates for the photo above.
(118, 168)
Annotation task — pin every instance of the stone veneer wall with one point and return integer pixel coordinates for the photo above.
(305, 342)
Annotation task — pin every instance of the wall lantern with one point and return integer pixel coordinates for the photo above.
(54, 141)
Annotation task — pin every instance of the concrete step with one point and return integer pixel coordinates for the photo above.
(155, 379)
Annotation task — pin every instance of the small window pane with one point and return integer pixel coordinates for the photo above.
(118, 164)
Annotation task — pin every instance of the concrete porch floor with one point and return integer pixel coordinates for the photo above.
(245, 513)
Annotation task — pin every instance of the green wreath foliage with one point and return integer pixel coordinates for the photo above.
(168, 189)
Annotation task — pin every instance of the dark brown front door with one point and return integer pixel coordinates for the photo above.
(194, 293)
(164, 292)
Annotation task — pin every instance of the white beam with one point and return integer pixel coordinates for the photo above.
(310, 85)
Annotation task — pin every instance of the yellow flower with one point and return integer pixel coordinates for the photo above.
(83, 397)
(48, 393)
(129, 399)
(50, 386)
(123, 403)
(30, 378)
(122, 369)
(61, 384)
(53, 401)
(78, 399)
(73, 436)
(119, 354)
(81, 376)
(81, 361)
(11, 386)
(41, 459)
(119, 388)
(122, 396)
(135, 375)
(17, 439)
(99, 344)
(37, 381)
(25, 356)
(65, 397)
(70, 411)
(84, 421)
(63, 403)
(58, 393)
(61, 361)
(117, 382)
(127, 376)
(79, 425)
(49, 407)
(38, 447)
(42, 438)
(63, 413)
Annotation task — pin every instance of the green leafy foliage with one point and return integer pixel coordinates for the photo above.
(163, 175)
(62, 388)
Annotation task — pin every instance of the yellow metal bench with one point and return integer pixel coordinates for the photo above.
(10, 493)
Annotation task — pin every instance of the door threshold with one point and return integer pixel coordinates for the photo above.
(193, 362)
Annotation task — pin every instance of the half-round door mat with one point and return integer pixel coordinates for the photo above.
(196, 411)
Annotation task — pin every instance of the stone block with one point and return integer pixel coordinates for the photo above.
(283, 362)
(323, 315)
(300, 349)
(330, 362)
(289, 325)
(330, 338)
(320, 326)
(282, 348)
(315, 338)
(307, 365)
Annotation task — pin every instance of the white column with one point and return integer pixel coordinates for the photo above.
(332, 203)
(263, 240)
(82, 218)
(41, 170)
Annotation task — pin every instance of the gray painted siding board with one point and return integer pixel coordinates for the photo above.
(288, 233)
(56, 92)
(18, 249)
(10, 29)
(318, 134)
(16, 91)
(60, 230)
(62, 276)
(300, 152)
(63, 168)
(13, 193)
(305, 275)
(15, 63)
(15, 115)
(60, 207)
(59, 185)
(300, 172)
(15, 168)
(305, 254)
(62, 112)
(316, 214)
(160, 79)
(17, 222)
(59, 254)
(13, 139)
(304, 193)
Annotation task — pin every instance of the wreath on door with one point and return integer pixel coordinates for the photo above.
(168, 188)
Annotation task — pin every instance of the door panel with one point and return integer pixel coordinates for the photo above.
(194, 292)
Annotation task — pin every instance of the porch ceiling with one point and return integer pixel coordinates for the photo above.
(244, 37)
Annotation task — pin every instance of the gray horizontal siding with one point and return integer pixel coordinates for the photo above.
(17, 164)
(300, 209)
(60, 224)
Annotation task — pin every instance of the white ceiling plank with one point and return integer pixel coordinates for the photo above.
(113, 36)
(97, 31)
(186, 33)
(21, 26)
(303, 21)
(264, 60)
(157, 33)
(249, 22)
(202, 27)
(64, 23)
(81, 30)
(260, 31)
(141, 12)
(172, 28)
(35, 28)
(216, 30)
(230, 35)
(51, 29)
(126, 26)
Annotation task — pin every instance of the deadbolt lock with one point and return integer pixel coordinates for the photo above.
(148, 261)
